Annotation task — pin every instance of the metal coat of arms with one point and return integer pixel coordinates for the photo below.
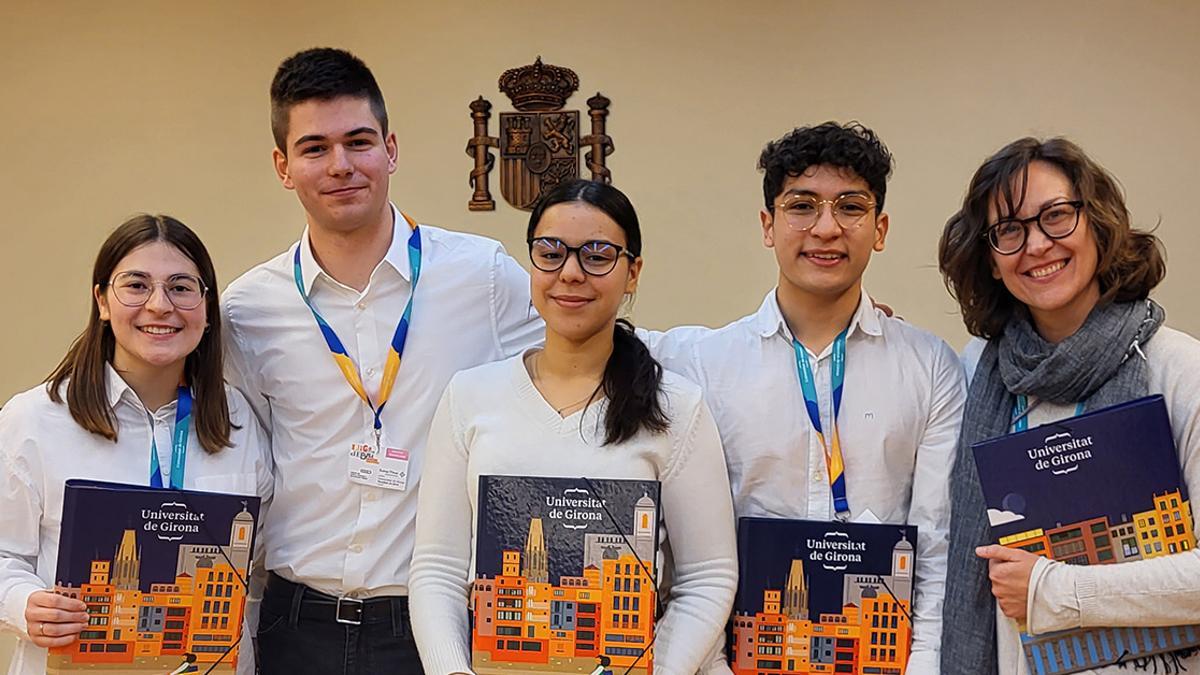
(540, 143)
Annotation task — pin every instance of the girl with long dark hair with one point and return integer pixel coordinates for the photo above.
(108, 412)
(591, 402)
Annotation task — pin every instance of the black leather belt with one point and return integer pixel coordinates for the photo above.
(281, 595)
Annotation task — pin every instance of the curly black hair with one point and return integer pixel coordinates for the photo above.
(850, 146)
(321, 73)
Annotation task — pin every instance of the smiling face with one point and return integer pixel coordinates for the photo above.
(156, 335)
(338, 161)
(824, 262)
(574, 304)
(1054, 278)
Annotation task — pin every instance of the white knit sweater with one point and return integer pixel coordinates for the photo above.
(492, 420)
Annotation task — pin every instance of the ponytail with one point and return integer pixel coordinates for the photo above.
(632, 383)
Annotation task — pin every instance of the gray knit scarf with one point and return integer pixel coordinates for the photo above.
(1101, 365)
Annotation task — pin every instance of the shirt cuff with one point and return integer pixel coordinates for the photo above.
(12, 614)
(924, 662)
(1053, 600)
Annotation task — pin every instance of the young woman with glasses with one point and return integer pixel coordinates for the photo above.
(111, 411)
(591, 402)
(1049, 272)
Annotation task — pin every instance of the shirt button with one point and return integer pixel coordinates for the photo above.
(371, 495)
(361, 305)
(370, 372)
(357, 548)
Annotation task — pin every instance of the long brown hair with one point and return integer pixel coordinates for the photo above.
(83, 367)
(1130, 262)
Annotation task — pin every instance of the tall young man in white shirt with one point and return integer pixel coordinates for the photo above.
(902, 389)
(343, 345)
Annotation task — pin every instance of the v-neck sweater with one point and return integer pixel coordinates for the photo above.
(492, 420)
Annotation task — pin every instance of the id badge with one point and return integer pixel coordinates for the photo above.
(387, 469)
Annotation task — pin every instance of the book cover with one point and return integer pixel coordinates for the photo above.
(565, 576)
(822, 597)
(1097, 489)
(163, 574)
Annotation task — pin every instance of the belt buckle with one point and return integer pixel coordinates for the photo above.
(352, 615)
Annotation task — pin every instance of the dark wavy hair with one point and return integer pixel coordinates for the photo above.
(1130, 262)
(321, 73)
(632, 379)
(83, 367)
(850, 146)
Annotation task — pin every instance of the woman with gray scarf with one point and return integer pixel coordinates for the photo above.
(1047, 269)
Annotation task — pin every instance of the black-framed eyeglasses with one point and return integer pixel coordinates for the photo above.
(596, 258)
(801, 212)
(1057, 221)
(134, 289)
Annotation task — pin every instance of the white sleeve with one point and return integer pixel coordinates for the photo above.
(698, 514)
(515, 323)
(439, 577)
(238, 371)
(20, 519)
(930, 509)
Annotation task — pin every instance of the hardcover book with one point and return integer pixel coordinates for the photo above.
(163, 574)
(822, 597)
(1098, 489)
(565, 576)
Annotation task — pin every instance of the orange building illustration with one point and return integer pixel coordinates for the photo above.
(872, 634)
(522, 622)
(199, 612)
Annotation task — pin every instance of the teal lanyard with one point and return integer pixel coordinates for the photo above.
(179, 439)
(1021, 412)
(833, 449)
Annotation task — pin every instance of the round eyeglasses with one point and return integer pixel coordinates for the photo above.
(596, 258)
(1057, 221)
(801, 212)
(134, 289)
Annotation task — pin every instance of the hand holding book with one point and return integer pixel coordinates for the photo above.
(1009, 570)
(54, 620)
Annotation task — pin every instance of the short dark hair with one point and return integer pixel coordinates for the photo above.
(1130, 263)
(849, 146)
(321, 73)
(83, 370)
(632, 379)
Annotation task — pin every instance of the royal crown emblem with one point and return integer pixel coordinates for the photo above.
(540, 143)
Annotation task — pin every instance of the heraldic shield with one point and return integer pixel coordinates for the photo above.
(537, 152)
(540, 144)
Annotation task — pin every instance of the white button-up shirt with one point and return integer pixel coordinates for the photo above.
(471, 307)
(901, 410)
(41, 447)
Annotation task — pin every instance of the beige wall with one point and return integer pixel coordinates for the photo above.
(114, 108)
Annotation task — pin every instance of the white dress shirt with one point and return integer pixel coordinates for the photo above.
(901, 410)
(471, 307)
(492, 420)
(41, 447)
(1163, 591)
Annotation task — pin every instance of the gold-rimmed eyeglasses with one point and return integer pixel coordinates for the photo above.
(801, 212)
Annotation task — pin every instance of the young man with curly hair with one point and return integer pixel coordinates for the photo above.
(818, 355)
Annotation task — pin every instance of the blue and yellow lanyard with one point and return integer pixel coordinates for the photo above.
(1021, 412)
(342, 358)
(833, 450)
(179, 440)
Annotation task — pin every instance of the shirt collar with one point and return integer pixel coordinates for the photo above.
(396, 256)
(117, 386)
(769, 319)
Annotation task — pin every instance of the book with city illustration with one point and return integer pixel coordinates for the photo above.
(822, 597)
(1098, 489)
(565, 576)
(163, 574)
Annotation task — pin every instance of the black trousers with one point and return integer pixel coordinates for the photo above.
(299, 632)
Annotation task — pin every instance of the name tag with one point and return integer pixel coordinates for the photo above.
(387, 469)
